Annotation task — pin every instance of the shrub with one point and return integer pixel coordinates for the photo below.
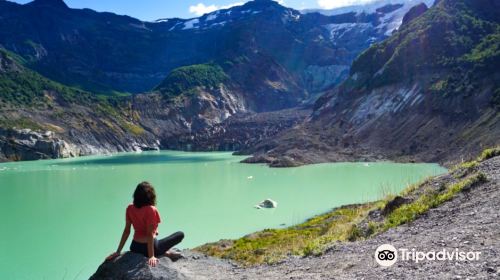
(489, 153)
(409, 212)
(185, 79)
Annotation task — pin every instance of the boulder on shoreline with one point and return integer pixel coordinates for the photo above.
(131, 266)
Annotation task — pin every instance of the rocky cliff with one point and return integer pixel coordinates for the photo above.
(208, 79)
(418, 95)
(239, 95)
(30, 145)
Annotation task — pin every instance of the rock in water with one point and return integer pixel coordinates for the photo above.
(268, 203)
(131, 266)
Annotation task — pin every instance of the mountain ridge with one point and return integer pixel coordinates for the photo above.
(259, 84)
(402, 91)
(67, 45)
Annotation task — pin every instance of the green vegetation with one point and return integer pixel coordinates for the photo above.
(132, 128)
(458, 41)
(20, 86)
(413, 187)
(184, 80)
(470, 166)
(308, 238)
(489, 153)
(239, 60)
(409, 212)
(435, 197)
(487, 53)
(20, 123)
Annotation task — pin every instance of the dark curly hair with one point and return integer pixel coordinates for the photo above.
(144, 195)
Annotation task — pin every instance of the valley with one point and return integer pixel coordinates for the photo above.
(202, 103)
(359, 110)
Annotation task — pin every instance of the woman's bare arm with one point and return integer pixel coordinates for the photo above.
(125, 235)
(151, 250)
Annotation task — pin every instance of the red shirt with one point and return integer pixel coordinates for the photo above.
(141, 218)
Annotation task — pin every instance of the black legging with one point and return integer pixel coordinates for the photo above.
(161, 246)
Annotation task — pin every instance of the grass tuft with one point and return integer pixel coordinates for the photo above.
(489, 153)
(409, 212)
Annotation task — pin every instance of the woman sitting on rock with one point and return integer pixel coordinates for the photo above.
(144, 216)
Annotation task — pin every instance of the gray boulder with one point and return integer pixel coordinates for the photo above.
(268, 203)
(131, 266)
(25, 144)
(394, 204)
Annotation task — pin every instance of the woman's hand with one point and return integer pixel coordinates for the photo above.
(112, 256)
(153, 261)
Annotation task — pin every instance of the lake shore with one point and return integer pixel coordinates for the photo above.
(209, 191)
(465, 219)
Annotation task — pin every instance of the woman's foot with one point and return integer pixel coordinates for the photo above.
(174, 256)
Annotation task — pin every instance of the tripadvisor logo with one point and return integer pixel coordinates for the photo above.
(387, 255)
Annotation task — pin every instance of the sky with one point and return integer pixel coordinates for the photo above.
(150, 10)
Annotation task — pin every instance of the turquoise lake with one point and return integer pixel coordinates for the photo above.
(60, 218)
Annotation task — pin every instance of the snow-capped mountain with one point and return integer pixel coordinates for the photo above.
(234, 14)
(370, 7)
(312, 51)
(390, 13)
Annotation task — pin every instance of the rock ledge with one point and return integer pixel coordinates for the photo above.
(131, 266)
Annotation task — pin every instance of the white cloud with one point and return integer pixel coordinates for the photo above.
(331, 4)
(233, 5)
(201, 9)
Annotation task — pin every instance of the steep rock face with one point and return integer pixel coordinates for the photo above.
(414, 13)
(185, 115)
(76, 132)
(238, 132)
(30, 145)
(416, 96)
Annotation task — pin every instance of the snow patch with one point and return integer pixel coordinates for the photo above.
(222, 23)
(173, 27)
(389, 22)
(370, 8)
(338, 30)
(190, 24)
(211, 17)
